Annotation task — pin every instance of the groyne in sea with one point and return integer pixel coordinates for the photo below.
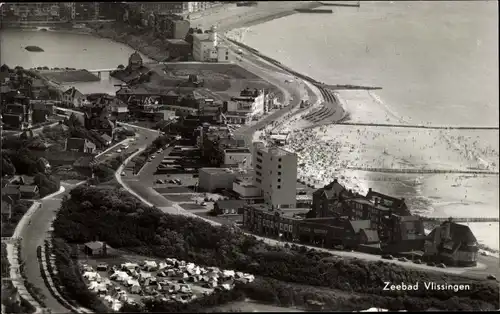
(329, 4)
(425, 171)
(430, 127)
(314, 10)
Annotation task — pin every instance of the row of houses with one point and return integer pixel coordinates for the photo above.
(374, 223)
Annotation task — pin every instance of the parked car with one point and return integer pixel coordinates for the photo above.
(403, 259)
(388, 256)
(417, 261)
(119, 151)
(431, 264)
(338, 247)
(122, 174)
(441, 265)
(159, 181)
(491, 277)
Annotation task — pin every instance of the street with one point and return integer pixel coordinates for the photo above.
(34, 234)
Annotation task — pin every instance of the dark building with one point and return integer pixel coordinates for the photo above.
(97, 118)
(397, 205)
(80, 145)
(327, 200)
(178, 49)
(453, 244)
(96, 248)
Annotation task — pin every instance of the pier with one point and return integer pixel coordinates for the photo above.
(352, 5)
(466, 220)
(418, 126)
(425, 171)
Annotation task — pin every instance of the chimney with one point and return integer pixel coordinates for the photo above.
(376, 201)
(335, 180)
(369, 190)
(104, 249)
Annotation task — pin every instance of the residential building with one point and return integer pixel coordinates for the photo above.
(25, 191)
(205, 47)
(222, 53)
(178, 49)
(97, 117)
(72, 98)
(327, 200)
(12, 121)
(45, 105)
(276, 175)
(229, 207)
(261, 219)
(242, 109)
(18, 116)
(453, 244)
(39, 116)
(211, 179)
(177, 29)
(80, 145)
(134, 61)
(12, 192)
(39, 89)
(164, 7)
(397, 205)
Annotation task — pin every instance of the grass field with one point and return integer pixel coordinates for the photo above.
(70, 76)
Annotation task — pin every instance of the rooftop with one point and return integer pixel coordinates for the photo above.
(217, 170)
(237, 150)
(177, 41)
(275, 151)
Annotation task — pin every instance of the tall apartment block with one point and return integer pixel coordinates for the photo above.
(275, 175)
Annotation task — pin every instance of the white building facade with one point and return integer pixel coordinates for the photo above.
(275, 175)
(206, 48)
(241, 110)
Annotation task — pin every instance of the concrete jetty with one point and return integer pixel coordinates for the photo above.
(425, 171)
(417, 126)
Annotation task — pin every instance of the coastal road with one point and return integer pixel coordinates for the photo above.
(269, 73)
(35, 233)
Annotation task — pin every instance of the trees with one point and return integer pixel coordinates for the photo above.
(7, 166)
(124, 223)
(46, 184)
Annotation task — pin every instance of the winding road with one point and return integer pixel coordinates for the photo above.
(34, 234)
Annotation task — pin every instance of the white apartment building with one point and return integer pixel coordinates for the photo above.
(205, 47)
(222, 53)
(275, 175)
(241, 110)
